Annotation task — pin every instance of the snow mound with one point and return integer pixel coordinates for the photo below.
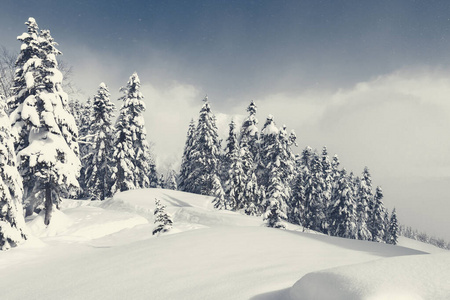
(412, 277)
(59, 223)
(189, 211)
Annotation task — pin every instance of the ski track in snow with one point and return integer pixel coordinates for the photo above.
(105, 250)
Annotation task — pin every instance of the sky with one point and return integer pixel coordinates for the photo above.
(368, 79)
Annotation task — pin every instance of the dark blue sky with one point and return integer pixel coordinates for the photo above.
(234, 48)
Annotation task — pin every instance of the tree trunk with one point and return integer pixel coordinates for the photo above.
(48, 204)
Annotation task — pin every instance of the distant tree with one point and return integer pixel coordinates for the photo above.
(133, 161)
(185, 181)
(12, 223)
(342, 211)
(45, 132)
(163, 220)
(99, 163)
(365, 196)
(171, 181)
(377, 215)
(205, 154)
(7, 71)
(393, 229)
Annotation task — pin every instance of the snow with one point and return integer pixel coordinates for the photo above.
(408, 277)
(105, 250)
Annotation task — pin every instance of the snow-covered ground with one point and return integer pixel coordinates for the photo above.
(105, 250)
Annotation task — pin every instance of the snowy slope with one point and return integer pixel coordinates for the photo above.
(409, 277)
(105, 250)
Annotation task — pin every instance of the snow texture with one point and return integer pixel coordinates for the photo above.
(106, 250)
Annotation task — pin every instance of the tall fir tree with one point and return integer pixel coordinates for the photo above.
(377, 215)
(342, 211)
(99, 166)
(44, 130)
(274, 177)
(205, 154)
(185, 181)
(314, 186)
(328, 183)
(231, 151)
(249, 132)
(134, 166)
(12, 224)
(365, 196)
(393, 229)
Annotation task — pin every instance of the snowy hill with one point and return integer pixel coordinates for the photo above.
(105, 250)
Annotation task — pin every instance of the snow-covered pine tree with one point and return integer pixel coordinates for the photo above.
(231, 151)
(163, 220)
(45, 132)
(249, 153)
(314, 204)
(171, 181)
(342, 211)
(236, 178)
(249, 132)
(132, 157)
(386, 222)
(365, 196)
(219, 201)
(12, 223)
(377, 213)
(84, 134)
(99, 164)
(276, 166)
(328, 183)
(393, 229)
(298, 201)
(185, 181)
(205, 153)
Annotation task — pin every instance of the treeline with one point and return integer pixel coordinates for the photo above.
(258, 173)
(423, 237)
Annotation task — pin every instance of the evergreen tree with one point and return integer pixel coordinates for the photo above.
(249, 153)
(84, 128)
(231, 152)
(342, 211)
(277, 173)
(45, 132)
(314, 215)
(393, 229)
(386, 221)
(205, 153)
(297, 213)
(365, 196)
(133, 161)
(217, 191)
(99, 164)
(185, 182)
(249, 133)
(163, 220)
(377, 215)
(12, 223)
(171, 182)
